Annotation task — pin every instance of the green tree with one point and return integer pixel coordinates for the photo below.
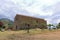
(43, 26)
(35, 24)
(58, 26)
(49, 25)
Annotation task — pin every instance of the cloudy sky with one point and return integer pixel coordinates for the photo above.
(46, 9)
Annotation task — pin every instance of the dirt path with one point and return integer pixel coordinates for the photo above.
(47, 36)
(44, 36)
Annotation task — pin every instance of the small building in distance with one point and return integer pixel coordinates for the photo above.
(21, 22)
(51, 27)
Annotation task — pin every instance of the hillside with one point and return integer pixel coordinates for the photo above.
(7, 22)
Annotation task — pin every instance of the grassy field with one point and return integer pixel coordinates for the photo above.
(35, 34)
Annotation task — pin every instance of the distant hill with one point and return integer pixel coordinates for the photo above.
(2, 16)
(7, 22)
(6, 19)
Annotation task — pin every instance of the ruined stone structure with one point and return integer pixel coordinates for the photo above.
(21, 22)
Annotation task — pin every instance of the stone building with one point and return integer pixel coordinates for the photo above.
(21, 22)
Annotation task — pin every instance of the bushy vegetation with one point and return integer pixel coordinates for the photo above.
(58, 26)
(6, 23)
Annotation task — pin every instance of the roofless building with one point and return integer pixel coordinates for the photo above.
(21, 22)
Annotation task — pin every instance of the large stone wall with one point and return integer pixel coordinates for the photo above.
(21, 21)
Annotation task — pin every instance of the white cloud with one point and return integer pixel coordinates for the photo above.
(58, 20)
(33, 7)
(48, 21)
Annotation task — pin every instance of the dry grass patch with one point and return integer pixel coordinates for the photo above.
(35, 34)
